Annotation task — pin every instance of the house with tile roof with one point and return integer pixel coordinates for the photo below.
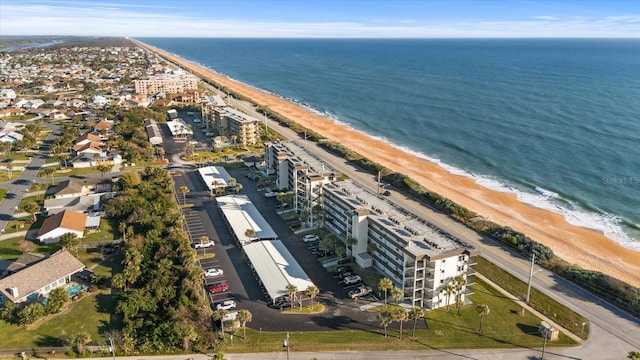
(35, 281)
(25, 260)
(61, 223)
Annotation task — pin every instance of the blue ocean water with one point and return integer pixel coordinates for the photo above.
(555, 121)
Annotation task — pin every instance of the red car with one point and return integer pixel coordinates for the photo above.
(219, 287)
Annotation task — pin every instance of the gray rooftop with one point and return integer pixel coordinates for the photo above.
(421, 237)
(298, 155)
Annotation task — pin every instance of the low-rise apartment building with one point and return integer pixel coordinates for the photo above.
(236, 126)
(419, 258)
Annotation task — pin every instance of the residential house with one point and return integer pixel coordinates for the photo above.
(26, 259)
(36, 281)
(9, 112)
(8, 94)
(61, 223)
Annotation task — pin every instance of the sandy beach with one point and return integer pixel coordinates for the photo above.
(587, 248)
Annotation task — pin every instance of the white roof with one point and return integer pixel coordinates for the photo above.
(210, 174)
(93, 221)
(179, 127)
(242, 215)
(276, 267)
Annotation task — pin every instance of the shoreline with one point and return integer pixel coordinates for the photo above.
(587, 248)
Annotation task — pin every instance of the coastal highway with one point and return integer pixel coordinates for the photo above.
(613, 332)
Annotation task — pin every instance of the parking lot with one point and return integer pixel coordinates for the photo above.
(203, 218)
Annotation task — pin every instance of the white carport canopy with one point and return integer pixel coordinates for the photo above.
(242, 215)
(276, 267)
(210, 174)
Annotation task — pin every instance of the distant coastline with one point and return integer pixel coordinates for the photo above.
(586, 247)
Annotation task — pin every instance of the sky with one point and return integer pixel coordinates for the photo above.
(323, 18)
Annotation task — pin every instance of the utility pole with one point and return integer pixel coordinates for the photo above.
(533, 259)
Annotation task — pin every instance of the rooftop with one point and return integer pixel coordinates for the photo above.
(420, 237)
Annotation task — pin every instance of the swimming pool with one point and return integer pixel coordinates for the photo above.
(74, 289)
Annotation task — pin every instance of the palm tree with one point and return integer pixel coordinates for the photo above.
(311, 292)
(244, 316)
(459, 283)
(449, 289)
(386, 319)
(385, 284)
(103, 169)
(69, 241)
(292, 290)
(396, 294)
(184, 190)
(483, 310)
(351, 241)
(203, 239)
(416, 313)
(47, 171)
(401, 315)
(32, 209)
(219, 315)
(250, 233)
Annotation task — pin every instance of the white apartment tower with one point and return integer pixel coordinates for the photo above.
(419, 258)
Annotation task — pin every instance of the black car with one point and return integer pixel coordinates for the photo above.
(341, 269)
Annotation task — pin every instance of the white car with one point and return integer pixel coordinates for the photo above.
(213, 272)
(353, 279)
(196, 120)
(270, 194)
(203, 245)
(227, 305)
(310, 238)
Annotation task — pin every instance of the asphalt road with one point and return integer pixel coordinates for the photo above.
(613, 332)
(17, 188)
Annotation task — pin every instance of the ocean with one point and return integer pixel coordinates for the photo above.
(556, 122)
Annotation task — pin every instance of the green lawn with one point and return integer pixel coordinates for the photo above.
(10, 248)
(91, 314)
(3, 193)
(23, 224)
(504, 327)
(564, 316)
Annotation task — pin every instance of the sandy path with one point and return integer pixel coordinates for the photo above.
(585, 247)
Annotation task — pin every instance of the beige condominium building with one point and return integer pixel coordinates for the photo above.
(419, 258)
(223, 121)
(301, 172)
(169, 84)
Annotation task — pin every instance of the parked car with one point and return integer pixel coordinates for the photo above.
(227, 305)
(209, 134)
(341, 269)
(310, 238)
(219, 287)
(213, 272)
(196, 120)
(352, 279)
(360, 291)
(345, 274)
(386, 193)
(203, 245)
(279, 304)
(270, 194)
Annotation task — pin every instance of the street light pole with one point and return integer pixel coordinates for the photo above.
(533, 259)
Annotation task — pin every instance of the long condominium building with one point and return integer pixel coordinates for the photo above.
(171, 84)
(419, 258)
(300, 171)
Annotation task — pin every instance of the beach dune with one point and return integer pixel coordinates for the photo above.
(581, 246)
